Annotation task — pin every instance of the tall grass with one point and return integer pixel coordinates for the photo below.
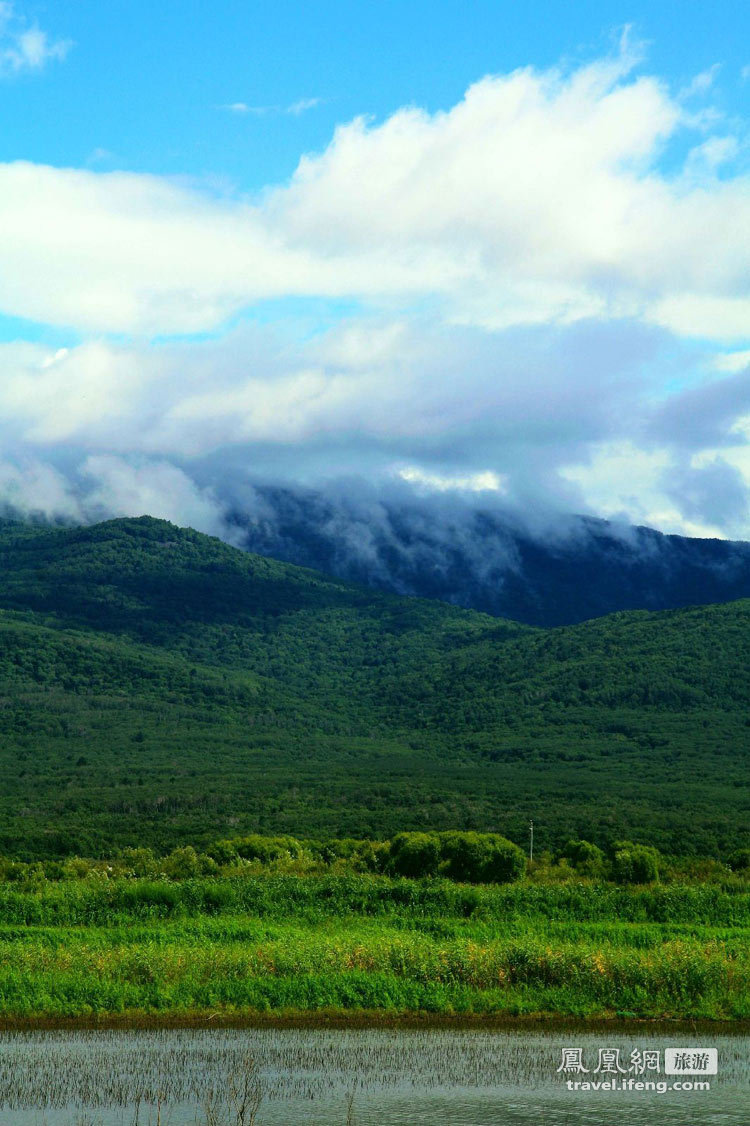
(350, 944)
(102, 902)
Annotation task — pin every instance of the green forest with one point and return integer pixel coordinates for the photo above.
(159, 688)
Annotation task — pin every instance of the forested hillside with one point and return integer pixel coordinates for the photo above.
(158, 686)
(553, 571)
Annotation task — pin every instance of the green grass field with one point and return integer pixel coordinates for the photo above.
(287, 945)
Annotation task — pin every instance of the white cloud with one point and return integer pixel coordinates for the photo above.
(32, 487)
(623, 481)
(48, 398)
(618, 477)
(447, 408)
(398, 386)
(155, 488)
(23, 47)
(702, 82)
(294, 109)
(482, 482)
(536, 199)
(570, 417)
(706, 158)
(104, 486)
(716, 318)
(732, 361)
(302, 105)
(529, 282)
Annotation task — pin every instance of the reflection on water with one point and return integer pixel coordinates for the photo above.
(325, 1077)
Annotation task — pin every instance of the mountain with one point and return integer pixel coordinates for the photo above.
(158, 686)
(556, 572)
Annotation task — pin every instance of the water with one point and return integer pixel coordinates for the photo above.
(324, 1077)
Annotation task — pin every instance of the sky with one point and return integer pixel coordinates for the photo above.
(495, 250)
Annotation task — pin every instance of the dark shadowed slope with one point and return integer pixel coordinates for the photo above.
(557, 572)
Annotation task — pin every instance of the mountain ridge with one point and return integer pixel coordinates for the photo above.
(555, 570)
(158, 685)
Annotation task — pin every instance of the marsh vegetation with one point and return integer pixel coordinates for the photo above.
(273, 1077)
(354, 944)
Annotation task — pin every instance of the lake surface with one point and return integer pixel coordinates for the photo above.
(364, 1078)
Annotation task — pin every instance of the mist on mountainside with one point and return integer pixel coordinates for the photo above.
(545, 569)
(533, 563)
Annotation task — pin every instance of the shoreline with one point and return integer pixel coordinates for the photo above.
(364, 1020)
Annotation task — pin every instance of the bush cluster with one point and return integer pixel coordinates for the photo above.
(476, 858)
(460, 857)
(627, 863)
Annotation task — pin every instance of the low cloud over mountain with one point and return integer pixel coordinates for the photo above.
(545, 570)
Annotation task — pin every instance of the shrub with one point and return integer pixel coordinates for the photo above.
(585, 857)
(414, 854)
(78, 868)
(224, 852)
(265, 849)
(182, 864)
(740, 861)
(480, 858)
(360, 855)
(139, 861)
(635, 864)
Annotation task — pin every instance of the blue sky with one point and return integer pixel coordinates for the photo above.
(143, 82)
(496, 248)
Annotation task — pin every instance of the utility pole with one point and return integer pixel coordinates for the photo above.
(531, 842)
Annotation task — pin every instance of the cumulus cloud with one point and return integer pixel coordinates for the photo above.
(24, 47)
(565, 417)
(538, 198)
(516, 301)
(398, 388)
(660, 488)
